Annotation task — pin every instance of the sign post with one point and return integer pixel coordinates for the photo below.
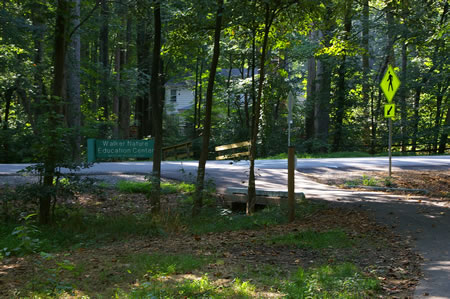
(291, 163)
(390, 84)
(290, 106)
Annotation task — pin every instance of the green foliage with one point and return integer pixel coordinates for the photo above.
(49, 282)
(158, 264)
(76, 229)
(145, 187)
(24, 239)
(314, 239)
(189, 288)
(365, 181)
(220, 220)
(331, 281)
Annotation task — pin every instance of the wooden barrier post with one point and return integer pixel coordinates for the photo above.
(232, 147)
(185, 147)
(291, 183)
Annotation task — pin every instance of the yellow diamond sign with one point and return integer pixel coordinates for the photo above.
(390, 83)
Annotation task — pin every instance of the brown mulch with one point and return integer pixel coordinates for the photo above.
(434, 183)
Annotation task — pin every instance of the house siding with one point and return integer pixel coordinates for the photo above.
(185, 99)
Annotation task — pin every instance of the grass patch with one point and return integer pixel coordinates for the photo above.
(75, 231)
(159, 264)
(221, 220)
(366, 180)
(331, 281)
(189, 288)
(146, 187)
(314, 239)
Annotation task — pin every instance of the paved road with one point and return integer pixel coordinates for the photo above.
(425, 221)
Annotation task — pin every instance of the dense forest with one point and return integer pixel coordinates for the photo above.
(77, 69)
(72, 70)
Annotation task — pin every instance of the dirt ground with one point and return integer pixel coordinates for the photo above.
(433, 184)
(376, 250)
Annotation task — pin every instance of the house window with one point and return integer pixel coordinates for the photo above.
(173, 95)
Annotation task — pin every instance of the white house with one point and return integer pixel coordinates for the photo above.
(179, 97)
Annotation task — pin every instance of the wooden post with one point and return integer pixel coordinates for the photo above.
(291, 183)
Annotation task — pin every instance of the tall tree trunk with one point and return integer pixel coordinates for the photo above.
(73, 83)
(104, 60)
(310, 98)
(115, 104)
(438, 116)
(230, 70)
(194, 131)
(124, 100)
(142, 108)
(251, 198)
(365, 61)
(200, 96)
(5, 144)
(157, 109)
(322, 103)
(198, 198)
(416, 118)
(62, 16)
(38, 21)
(443, 142)
(403, 96)
(341, 102)
(246, 110)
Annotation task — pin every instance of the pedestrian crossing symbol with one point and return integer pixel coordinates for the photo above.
(389, 110)
(390, 83)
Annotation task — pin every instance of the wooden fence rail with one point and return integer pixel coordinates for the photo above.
(233, 148)
(178, 151)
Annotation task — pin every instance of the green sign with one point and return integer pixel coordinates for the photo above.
(390, 83)
(389, 110)
(116, 148)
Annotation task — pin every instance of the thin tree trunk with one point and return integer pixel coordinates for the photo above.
(157, 105)
(200, 96)
(228, 86)
(38, 21)
(365, 60)
(322, 103)
(4, 144)
(310, 96)
(198, 198)
(104, 60)
(443, 142)
(438, 117)
(194, 133)
(115, 105)
(142, 105)
(73, 83)
(341, 86)
(124, 100)
(403, 96)
(251, 199)
(416, 118)
(62, 16)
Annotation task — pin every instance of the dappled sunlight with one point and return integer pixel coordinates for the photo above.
(5, 268)
(438, 266)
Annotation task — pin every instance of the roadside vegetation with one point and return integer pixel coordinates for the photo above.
(104, 243)
(433, 184)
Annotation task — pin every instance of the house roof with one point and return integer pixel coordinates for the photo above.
(183, 81)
